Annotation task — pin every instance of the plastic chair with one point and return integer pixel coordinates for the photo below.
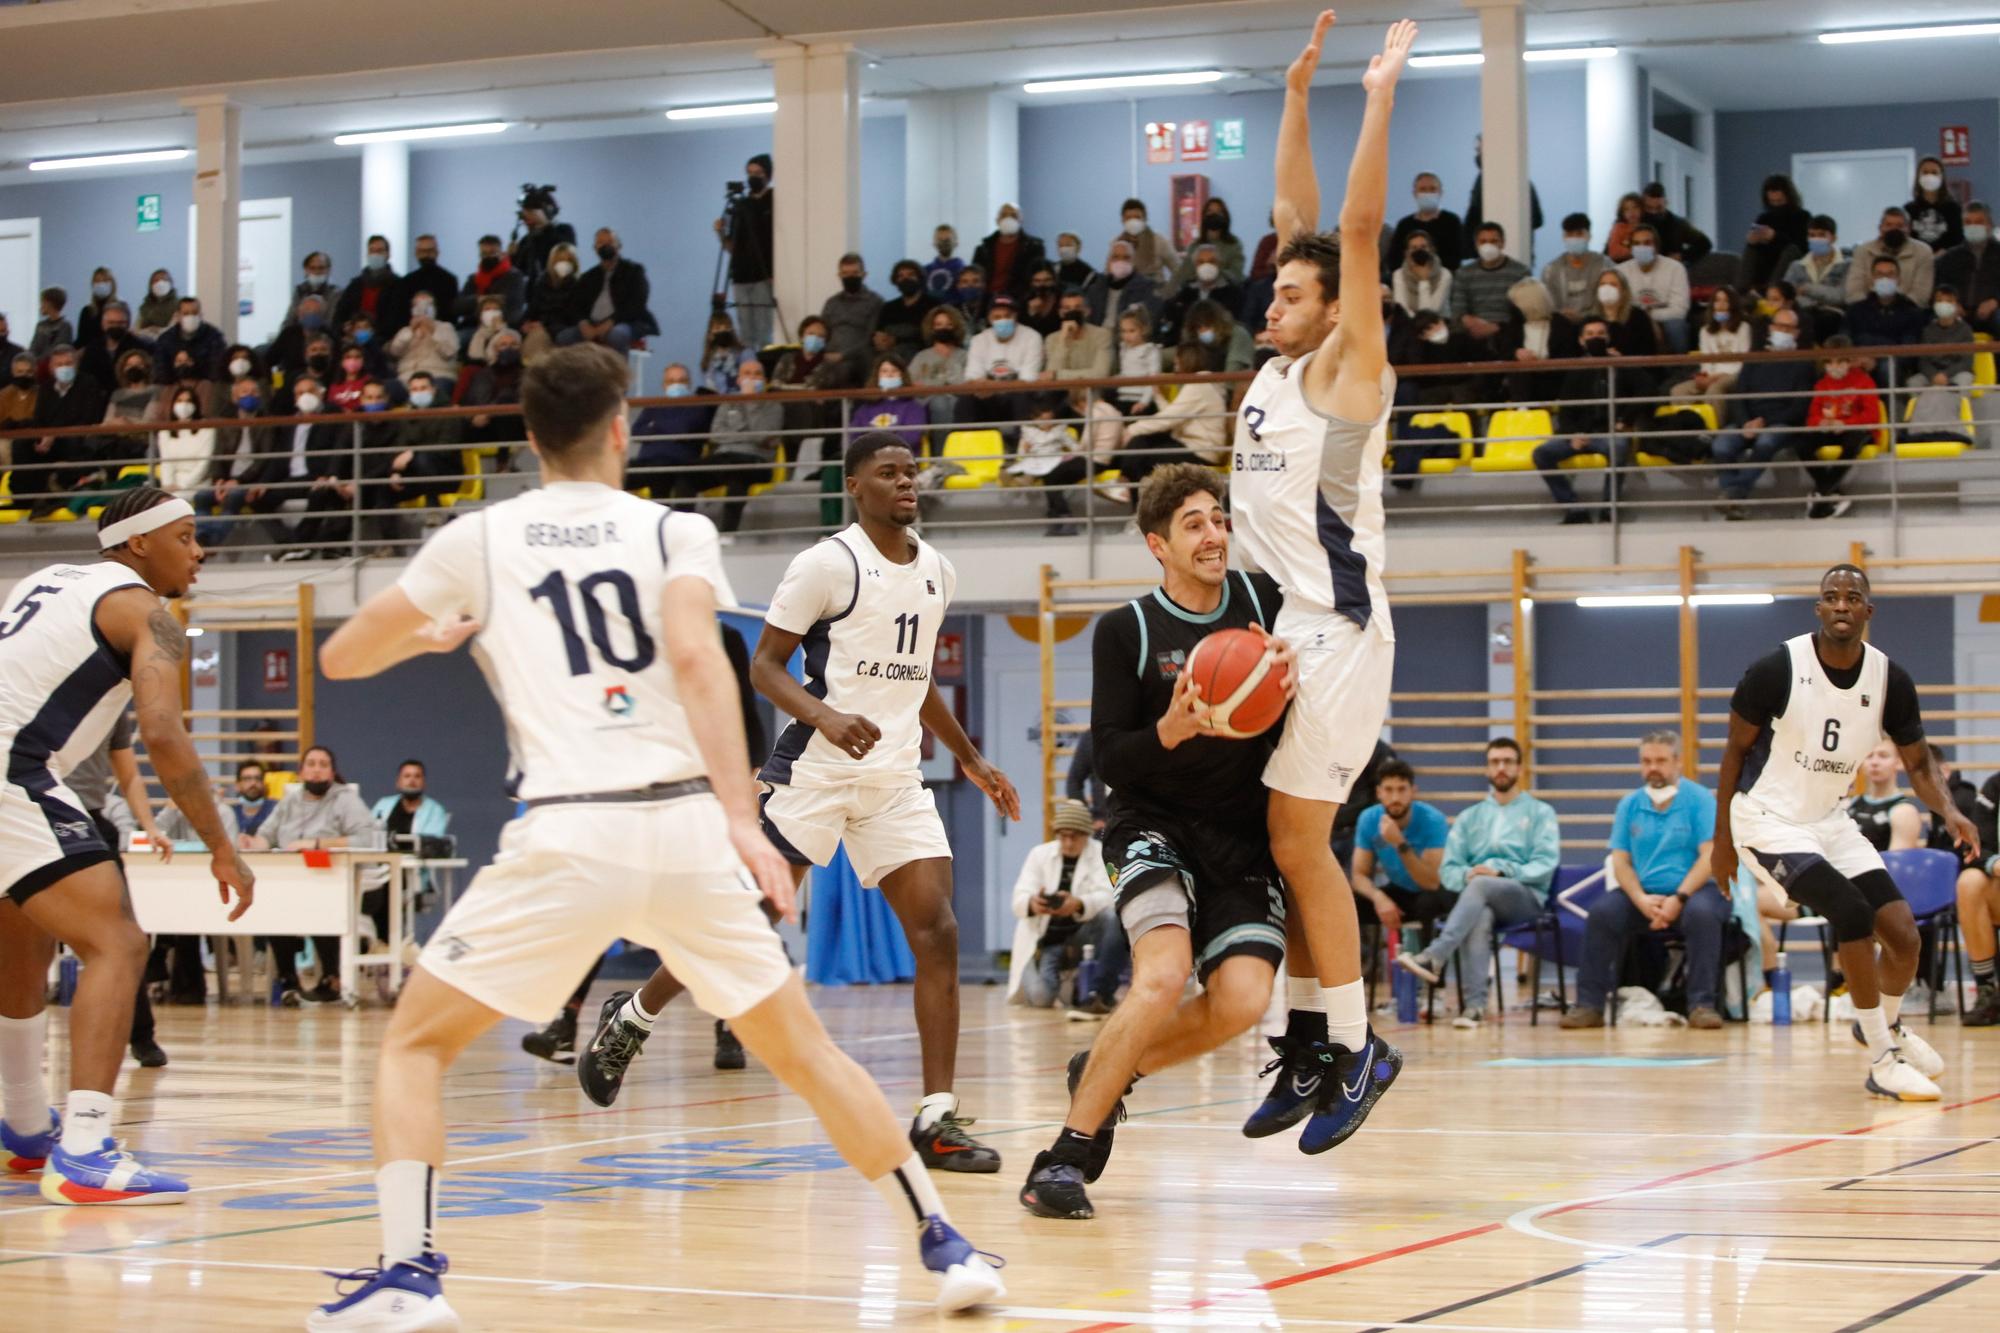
(1701, 407)
(1511, 438)
(1918, 447)
(276, 779)
(1572, 893)
(1983, 376)
(9, 513)
(1459, 424)
(1929, 881)
(978, 452)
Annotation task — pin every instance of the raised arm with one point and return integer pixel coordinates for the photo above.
(1296, 207)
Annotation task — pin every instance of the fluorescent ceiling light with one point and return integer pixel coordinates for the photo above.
(108, 159)
(1851, 38)
(1643, 599)
(1731, 599)
(195, 631)
(1570, 53)
(729, 109)
(425, 132)
(1674, 599)
(1125, 81)
(1460, 58)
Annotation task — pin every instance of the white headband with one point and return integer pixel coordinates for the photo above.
(146, 520)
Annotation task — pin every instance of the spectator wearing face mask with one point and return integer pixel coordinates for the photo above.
(1916, 264)
(1216, 233)
(317, 464)
(161, 304)
(372, 292)
(1819, 277)
(1479, 304)
(534, 248)
(184, 454)
(492, 323)
(972, 297)
(1072, 269)
(941, 273)
(360, 333)
(1886, 317)
(1206, 283)
(904, 316)
(1152, 254)
(1571, 278)
(850, 315)
(1225, 344)
(1633, 331)
(807, 366)
(1934, 215)
(110, 342)
(1670, 230)
(1587, 422)
(552, 304)
(1659, 284)
(287, 352)
(344, 394)
(1973, 269)
(1421, 282)
(195, 335)
(1946, 327)
(941, 362)
(1725, 334)
(1006, 349)
(1040, 311)
(497, 384)
(90, 315)
(240, 458)
(495, 276)
(17, 400)
(1120, 287)
(1077, 349)
(426, 345)
(612, 297)
(667, 438)
(1009, 255)
(52, 329)
(316, 280)
(428, 278)
(1777, 237)
(1766, 407)
(133, 398)
(1444, 229)
(320, 811)
(69, 399)
(240, 360)
(1844, 415)
(429, 455)
(1138, 357)
(895, 411)
(743, 444)
(1049, 456)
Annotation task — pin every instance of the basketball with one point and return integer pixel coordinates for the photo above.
(1232, 669)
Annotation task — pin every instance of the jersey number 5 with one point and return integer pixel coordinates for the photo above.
(555, 589)
(1829, 739)
(29, 604)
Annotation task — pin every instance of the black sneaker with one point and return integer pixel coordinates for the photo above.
(148, 1054)
(556, 1042)
(1055, 1189)
(1300, 1067)
(1100, 1143)
(601, 1068)
(1985, 1010)
(946, 1146)
(327, 991)
(728, 1050)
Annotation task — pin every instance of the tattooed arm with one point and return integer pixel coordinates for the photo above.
(134, 623)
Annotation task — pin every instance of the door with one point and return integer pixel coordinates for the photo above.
(263, 266)
(1854, 187)
(21, 275)
(1689, 177)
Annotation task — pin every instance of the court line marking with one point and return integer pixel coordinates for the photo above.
(1490, 1227)
(1748, 1136)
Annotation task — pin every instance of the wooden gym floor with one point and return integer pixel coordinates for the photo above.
(1517, 1178)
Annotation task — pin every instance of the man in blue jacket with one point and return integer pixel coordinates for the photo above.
(1769, 402)
(409, 812)
(1500, 859)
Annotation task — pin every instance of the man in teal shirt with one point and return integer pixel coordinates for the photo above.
(1660, 841)
(1500, 859)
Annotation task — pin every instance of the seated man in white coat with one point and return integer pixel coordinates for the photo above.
(1061, 903)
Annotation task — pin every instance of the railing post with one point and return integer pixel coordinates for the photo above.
(1523, 668)
(1045, 632)
(1690, 670)
(1611, 452)
(1893, 418)
(354, 500)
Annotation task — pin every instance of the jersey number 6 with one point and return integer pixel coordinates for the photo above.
(555, 589)
(1829, 739)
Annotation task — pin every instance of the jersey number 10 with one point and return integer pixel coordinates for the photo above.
(555, 589)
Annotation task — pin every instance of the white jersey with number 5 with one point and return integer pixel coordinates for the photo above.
(1808, 758)
(567, 583)
(1305, 496)
(869, 630)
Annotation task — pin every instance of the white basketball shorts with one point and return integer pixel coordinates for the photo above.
(1337, 714)
(885, 828)
(1836, 838)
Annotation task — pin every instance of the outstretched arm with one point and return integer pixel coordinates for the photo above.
(1296, 208)
(1929, 785)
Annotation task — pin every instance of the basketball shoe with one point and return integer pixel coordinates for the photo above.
(1917, 1052)
(1348, 1091)
(616, 1043)
(403, 1298)
(1100, 1143)
(728, 1050)
(1301, 1067)
(945, 1146)
(1055, 1189)
(108, 1176)
(966, 1275)
(1896, 1078)
(556, 1042)
(27, 1152)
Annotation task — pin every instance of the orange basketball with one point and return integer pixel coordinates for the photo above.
(1233, 670)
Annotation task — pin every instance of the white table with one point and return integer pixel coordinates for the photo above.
(291, 898)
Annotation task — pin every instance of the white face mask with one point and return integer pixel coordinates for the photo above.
(1662, 797)
(239, 367)
(1133, 226)
(183, 410)
(162, 287)
(189, 323)
(1207, 272)
(1009, 226)
(1609, 296)
(1489, 253)
(307, 403)
(1120, 268)
(490, 318)
(562, 268)
(1783, 340)
(1067, 253)
(1930, 180)
(423, 310)
(890, 383)
(1438, 334)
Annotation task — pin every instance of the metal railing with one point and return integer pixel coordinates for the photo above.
(1482, 469)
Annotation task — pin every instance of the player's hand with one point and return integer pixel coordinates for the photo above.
(1300, 76)
(231, 872)
(851, 733)
(1390, 915)
(1722, 863)
(998, 788)
(1186, 716)
(446, 636)
(1962, 830)
(767, 867)
(1283, 657)
(161, 847)
(1385, 69)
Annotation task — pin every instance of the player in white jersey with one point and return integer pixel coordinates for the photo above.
(594, 617)
(1800, 723)
(1306, 506)
(77, 642)
(865, 605)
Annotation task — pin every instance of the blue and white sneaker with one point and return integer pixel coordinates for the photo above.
(27, 1152)
(1301, 1066)
(108, 1176)
(1349, 1091)
(404, 1298)
(966, 1276)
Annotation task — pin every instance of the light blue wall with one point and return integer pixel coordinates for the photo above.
(1750, 145)
(1078, 162)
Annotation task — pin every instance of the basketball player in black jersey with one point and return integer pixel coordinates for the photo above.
(1198, 891)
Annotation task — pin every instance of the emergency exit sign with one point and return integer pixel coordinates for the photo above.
(149, 212)
(1955, 145)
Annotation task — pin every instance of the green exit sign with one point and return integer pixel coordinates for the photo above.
(149, 212)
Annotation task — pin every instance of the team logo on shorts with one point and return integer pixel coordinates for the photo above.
(1170, 663)
(617, 702)
(1340, 773)
(454, 947)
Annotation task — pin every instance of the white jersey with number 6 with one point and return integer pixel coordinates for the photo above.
(566, 583)
(869, 630)
(1815, 747)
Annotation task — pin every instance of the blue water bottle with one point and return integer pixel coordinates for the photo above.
(66, 979)
(1086, 976)
(1402, 984)
(1781, 995)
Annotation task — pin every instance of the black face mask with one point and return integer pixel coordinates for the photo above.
(850, 283)
(24, 381)
(113, 332)
(508, 356)
(908, 285)
(1596, 346)
(1419, 258)
(945, 248)
(184, 372)
(317, 788)
(135, 375)
(1894, 240)
(487, 263)
(607, 252)
(427, 261)
(1072, 317)
(949, 337)
(757, 184)
(319, 363)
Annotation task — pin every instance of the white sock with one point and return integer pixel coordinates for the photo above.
(1346, 1014)
(1892, 1008)
(635, 1013)
(24, 1093)
(1874, 1030)
(1304, 993)
(935, 1108)
(909, 1186)
(87, 1122)
(406, 1192)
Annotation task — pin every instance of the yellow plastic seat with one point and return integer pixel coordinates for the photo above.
(978, 452)
(276, 779)
(1829, 454)
(1983, 376)
(1701, 407)
(1459, 424)
(1921, 448)
(8, 512)
(780, 473)
(1511, 438)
